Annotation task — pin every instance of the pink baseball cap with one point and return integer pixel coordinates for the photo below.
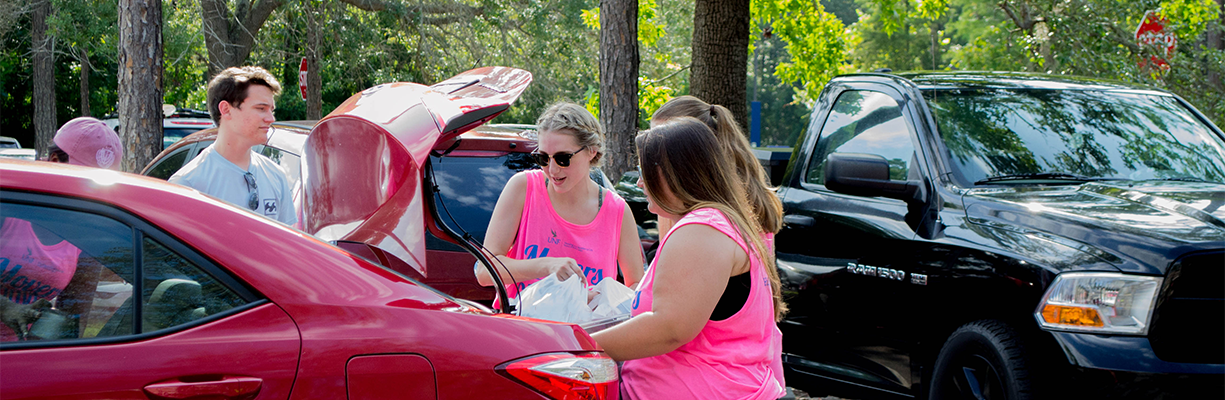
(91, 143)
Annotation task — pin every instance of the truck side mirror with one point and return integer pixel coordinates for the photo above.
(866, 175)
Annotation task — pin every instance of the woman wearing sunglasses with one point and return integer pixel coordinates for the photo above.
(693, 335)
(556, 220)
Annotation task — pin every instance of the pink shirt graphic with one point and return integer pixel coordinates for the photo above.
(543, 233)
(30, 270)
(735, 358)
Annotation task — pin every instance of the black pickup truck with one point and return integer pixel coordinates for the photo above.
(1004, 236)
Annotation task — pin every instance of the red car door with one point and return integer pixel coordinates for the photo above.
(118, 309)
(250, 355)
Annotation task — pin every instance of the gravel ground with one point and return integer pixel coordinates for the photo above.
(800, 395)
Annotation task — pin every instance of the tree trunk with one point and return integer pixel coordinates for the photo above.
(45, 122)
(83, 57)
(140, 81)
(619, 84)
(314, 83)
(720, 55)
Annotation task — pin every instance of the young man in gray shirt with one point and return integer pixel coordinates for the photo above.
(241, 102)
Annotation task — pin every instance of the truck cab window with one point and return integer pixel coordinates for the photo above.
(866, 122)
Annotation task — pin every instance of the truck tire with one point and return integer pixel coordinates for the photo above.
(982, 360)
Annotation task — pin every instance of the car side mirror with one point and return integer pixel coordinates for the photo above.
(867, 175)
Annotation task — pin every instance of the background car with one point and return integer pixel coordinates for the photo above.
(9, 143)
(177, 124)
(176, 293)
(18, 153)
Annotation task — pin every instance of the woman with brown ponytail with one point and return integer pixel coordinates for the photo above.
(704, 313)
(766, 206)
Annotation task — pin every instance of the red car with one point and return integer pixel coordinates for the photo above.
(364, 156)
(174, 294)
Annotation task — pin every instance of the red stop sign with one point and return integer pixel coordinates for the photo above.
(302, 78)
(1152, 32)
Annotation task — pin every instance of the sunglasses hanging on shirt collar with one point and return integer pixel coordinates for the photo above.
(252, 188)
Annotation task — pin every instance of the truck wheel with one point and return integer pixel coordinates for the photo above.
(982, 360)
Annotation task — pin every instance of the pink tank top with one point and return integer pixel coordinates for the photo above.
(730, 359)
(29, 270)
(543, 233)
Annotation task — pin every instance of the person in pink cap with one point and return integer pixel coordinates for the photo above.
(87, 141)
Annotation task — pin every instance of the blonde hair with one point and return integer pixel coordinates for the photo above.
(765, 204)
(688, 158)
(574, 120)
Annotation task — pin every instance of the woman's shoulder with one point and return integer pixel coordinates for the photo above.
(708, 216)
(611, 197)
(521, 178)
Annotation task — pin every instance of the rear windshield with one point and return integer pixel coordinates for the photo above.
(172, 135)
(1095, 134)
(469, 188)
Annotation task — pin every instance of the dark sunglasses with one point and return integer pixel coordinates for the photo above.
(562, 158)
(253, 198)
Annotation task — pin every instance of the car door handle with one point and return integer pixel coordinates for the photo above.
(799, 220)
(225, 386)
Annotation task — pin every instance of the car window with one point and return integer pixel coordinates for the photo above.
(866, 122)
(176, 291)
(290, 162)
(469, 188)
(1097, 134)
(64, 273)
(68, 274)
(167, 166)
(172, 135)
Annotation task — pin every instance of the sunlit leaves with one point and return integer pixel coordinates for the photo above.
(651, 97)
(932, 9)
(1189, 18)
(815, 40)
(649, 28)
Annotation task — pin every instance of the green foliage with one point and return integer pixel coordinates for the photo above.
(651, 97)
(981, 40)
(183, 56)
(815, 41)
(931, 9)
(873, 48)
(784, 110)
(1189, 18)
(649, 30)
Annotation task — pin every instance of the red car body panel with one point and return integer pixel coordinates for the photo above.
(339, 305)
(262, 343)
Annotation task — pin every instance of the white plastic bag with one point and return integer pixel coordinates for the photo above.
(555, 300)
(611, 298)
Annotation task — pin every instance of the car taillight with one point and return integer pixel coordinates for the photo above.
(566, 376)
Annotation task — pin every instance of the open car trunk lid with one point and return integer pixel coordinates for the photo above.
(362, 176)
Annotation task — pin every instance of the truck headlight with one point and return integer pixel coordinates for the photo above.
(1099, 303)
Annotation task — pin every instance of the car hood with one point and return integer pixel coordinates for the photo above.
(1138, 227)
(362, 163)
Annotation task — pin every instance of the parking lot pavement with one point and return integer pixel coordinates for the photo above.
(801, 395)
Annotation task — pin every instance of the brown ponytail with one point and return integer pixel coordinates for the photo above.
(766, 207)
